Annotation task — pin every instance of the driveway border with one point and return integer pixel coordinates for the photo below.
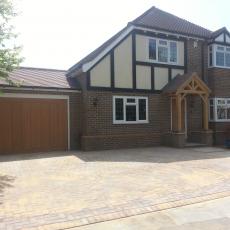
(101, 216)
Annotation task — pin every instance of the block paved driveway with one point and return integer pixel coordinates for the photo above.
(69, 189)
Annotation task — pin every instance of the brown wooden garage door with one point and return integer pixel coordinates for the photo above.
(33, 125)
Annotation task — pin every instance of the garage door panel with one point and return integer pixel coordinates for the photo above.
(33, 125)
(5, 126)
(17, 126)
(61, 107)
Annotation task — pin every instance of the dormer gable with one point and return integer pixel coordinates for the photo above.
(221, 36)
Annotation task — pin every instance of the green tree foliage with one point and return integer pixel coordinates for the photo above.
(9, 52)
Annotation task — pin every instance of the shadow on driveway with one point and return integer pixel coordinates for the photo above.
(149, 155)
(154, 155)
(5, 182)
(32, 156)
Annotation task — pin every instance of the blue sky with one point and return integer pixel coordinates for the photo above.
(58, 33)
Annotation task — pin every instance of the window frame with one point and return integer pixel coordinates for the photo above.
(136, 103)
(213, 51)
(158, 40)
(215, 105)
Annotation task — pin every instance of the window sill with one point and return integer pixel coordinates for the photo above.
(219, 121)
(165, 63)
(218, 67)
(129, 122)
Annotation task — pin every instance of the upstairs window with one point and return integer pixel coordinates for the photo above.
(219, 56)
(130, 110)
(163, 51)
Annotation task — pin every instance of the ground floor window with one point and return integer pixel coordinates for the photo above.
(128, 109)
(219, 109)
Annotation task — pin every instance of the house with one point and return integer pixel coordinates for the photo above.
(161, 80)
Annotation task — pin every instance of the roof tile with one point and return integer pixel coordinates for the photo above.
(43, 78)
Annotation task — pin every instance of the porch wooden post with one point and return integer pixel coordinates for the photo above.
(205, 113)
(178, 105)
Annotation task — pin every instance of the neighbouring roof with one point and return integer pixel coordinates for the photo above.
(156, 19)
(219, 31)
(41, 78)
(180, 80)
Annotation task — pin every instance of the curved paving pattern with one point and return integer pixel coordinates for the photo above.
(61, 190)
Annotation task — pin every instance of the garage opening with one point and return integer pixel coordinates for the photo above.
(33, 123)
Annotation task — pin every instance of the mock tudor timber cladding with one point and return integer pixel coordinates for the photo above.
(143, 77)
(123, 76)
(101, 73)
(130, 66)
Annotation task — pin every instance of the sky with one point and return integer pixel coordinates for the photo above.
(58, 33)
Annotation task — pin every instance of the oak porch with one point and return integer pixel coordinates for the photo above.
(178, 89)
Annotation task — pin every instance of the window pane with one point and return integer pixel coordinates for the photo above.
(162, 54)
(221, 112)
(131, 113)
(211, 113)
(210, 59)
(227, 59)
(152, 49)
(220, 47)
(119, 109)
(211, 101)
(219, 59)
(162, 42)
(221, 101)
(142, 109)
(173, 52)
(227, 49)
(131, 100)
(228, 113)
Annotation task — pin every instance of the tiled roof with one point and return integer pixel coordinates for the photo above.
(42, 78)
(176, 82)
(155, 19)
(159, 19)
(219, 31)
(180, 81)
(97, 51)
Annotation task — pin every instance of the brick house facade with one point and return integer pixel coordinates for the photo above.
(150, 84)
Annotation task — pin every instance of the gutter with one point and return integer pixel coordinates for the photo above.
(41, 89)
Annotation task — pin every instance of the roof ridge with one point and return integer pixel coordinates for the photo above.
(152, 8)
(145, 13)
(38, 68)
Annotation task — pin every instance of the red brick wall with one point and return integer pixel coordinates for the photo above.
(219, 82)
(101, 133)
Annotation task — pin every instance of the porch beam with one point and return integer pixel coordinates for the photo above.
(178, 106)
(191, 92)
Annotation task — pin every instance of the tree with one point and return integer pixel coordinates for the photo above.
(9, 52)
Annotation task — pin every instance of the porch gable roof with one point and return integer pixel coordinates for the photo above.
(189, 82)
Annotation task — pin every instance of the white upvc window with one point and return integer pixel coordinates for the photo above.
(219, 56)
(163, 51)
(219, 109)
(130, 110)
